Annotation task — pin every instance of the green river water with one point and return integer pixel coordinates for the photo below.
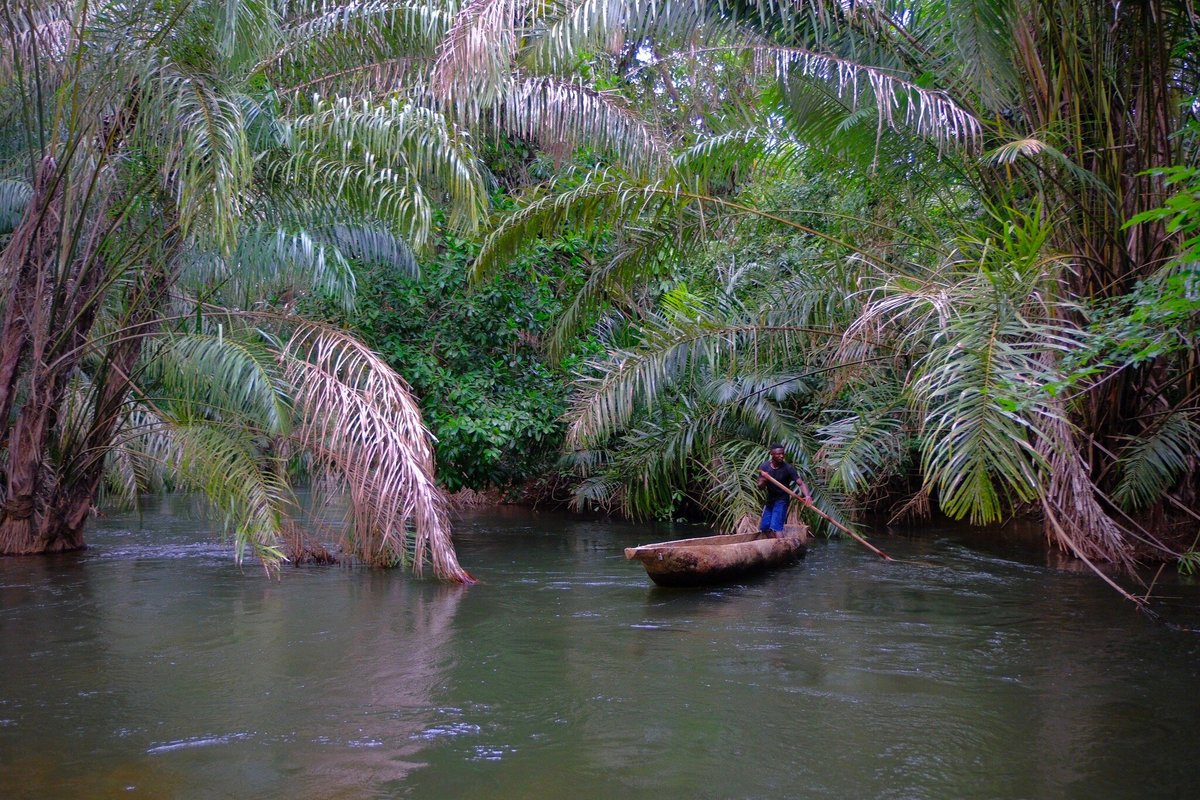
(152, 666)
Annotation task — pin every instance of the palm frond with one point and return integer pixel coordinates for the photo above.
(1070, 498)
(246, 489)
(640, 251)
(222, 376)
(980, 33)
(762, 151)
(36, 38)
(380, 78)
(1009, 152)
(317, 39)
(240, 26)
(980, 389)
(1152, 462)
(562, 115)
(475, 60)
(14, 198)
(1038, 150)
(209, 150)
(899, 102)
(374, 245)
(628, 379)
(360, 421)
(856, 450)
(270, 260)
(991, 335)
(379, 159)
(601, 200)
(141, 457)
(597, 25)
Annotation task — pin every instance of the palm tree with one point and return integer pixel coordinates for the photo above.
(1037, 123)
(175, 182)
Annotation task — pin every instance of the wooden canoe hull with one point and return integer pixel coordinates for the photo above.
(717, 559)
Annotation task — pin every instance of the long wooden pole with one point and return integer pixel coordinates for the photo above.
(829, 519)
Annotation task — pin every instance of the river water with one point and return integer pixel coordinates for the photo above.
(152, 666)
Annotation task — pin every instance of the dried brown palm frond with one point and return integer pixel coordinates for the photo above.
(467, 497)
(35, 34)
(916, 507)
(1075, 520)
(747, 523)
(359, 419)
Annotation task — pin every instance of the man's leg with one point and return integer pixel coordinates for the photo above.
(779, 515)
(764, 525)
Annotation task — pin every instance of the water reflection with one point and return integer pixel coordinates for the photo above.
(152, 666)
(149, 673)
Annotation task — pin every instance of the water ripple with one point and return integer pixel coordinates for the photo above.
(198, 741)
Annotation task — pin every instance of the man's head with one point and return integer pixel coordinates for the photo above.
(777, 455)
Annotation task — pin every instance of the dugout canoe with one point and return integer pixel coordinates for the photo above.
(718, 559)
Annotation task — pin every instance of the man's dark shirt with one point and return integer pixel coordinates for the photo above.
(785, 474)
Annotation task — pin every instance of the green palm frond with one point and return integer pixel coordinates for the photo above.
(379, 78)
(142, 455)
(992, 338)
(899, 102)
(240, 26)
(762, 151)
(608, 199)
(980, 391)
(731, 474)
(229, 376)
(246, 488)
(209, 150)
(318, 39)
(640, 251)
(601, 199)
(372, 244)
(857, 449)
(586, 26)
(1039, 151)
(629, 379)
(1152, 462)
(817, 113)
(979, 33)
(382, 159)
(14, 197)
(1009, 152)
(270, 261)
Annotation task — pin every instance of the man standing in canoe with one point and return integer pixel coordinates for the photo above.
(774, 515)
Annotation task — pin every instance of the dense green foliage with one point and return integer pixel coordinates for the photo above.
(475, 357)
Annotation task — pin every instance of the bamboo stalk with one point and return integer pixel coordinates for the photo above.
(829, 519)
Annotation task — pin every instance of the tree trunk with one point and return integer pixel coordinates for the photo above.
(51, 476)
